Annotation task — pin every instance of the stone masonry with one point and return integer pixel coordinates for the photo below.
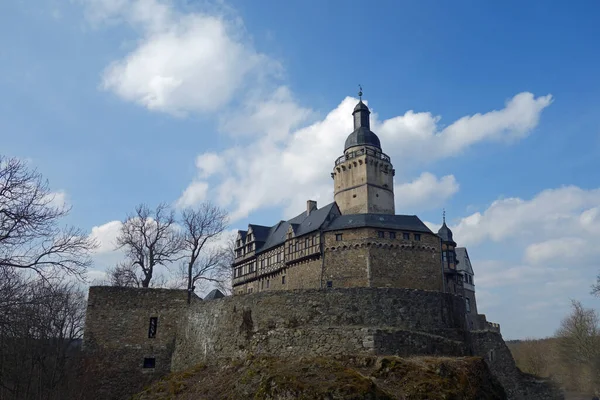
(359, 321)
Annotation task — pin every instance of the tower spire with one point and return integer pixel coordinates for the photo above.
(444, 215)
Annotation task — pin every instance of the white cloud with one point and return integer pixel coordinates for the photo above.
(425, 191)
(554, 213)
(287, 169)
(58, 199)
(543, 254)
(106, 236)
(565, 249)
(194, 194)
(183, 62)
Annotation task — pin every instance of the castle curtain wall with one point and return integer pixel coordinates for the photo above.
(323, 322)
(407, 264)
(363, 258)
(117, 330)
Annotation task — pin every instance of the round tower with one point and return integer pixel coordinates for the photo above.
(363, 177)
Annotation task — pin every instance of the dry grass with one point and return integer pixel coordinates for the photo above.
(332, 378)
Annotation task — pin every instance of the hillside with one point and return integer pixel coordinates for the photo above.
(332, 378)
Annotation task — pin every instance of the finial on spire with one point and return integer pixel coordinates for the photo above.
(444, 215)
(360, 92)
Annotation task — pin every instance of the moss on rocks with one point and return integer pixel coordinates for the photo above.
(332, 378)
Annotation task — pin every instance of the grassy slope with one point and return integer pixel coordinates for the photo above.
(332, 378)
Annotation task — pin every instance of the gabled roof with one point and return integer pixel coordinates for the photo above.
(388, 221)
(214, 294)
(301, 224)
(242, 235)
(260, 232)
(464, 263)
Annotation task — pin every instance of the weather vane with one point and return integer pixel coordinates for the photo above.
(360, 92)
(444, 215)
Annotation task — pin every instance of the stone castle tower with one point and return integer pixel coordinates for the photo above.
(364, 176)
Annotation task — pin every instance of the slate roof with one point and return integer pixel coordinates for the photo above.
(214, 294)
(301, 224)
(464, 263)
(260, 232)
(362, 136)
(388, 221)
(445, 233)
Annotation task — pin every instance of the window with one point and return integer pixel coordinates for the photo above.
(468, 304)
(329, 284)
(262, 263)
(392, 235)
(406, 236)
(149, 362)
(250, 290)
(152, 327)
(314, 240)
(417, 237)
(268, 283)
(262, 285)
(338, 237)
(380, 234)
(278, 257)
(283, 279)
(306, 243)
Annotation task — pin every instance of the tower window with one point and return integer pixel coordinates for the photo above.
(468, 305)
(380, 234)
(338, 237)
(149, 362)
(283, 279)
(392, 235)
(417, 237)
(406, 236)
(268, 283)
(152, 327)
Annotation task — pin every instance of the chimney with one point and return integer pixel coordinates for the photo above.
(311, 205)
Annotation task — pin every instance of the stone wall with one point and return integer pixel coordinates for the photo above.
(116, 336)
(518, 386)
(364, 184)
(322, 322)
(472, 320)
(361, 258)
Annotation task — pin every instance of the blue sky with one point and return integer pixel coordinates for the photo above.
(488, 110)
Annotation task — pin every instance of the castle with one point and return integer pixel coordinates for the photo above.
(356, 241)
(350, 278)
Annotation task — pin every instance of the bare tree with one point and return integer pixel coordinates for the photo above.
(150, 238)
(40, 332)
(225, 286)
(579, 334)
(204, 261)
(124, 274)
(30, 236)
(579, 347)
(596, 287)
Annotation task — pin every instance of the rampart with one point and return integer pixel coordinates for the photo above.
(320, 322)
(126, 354)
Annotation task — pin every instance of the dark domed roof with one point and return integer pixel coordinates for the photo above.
(362, 137)
(360, 107)
(445, 233)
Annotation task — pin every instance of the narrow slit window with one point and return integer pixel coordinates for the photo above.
(152, 327)
(150, 362)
